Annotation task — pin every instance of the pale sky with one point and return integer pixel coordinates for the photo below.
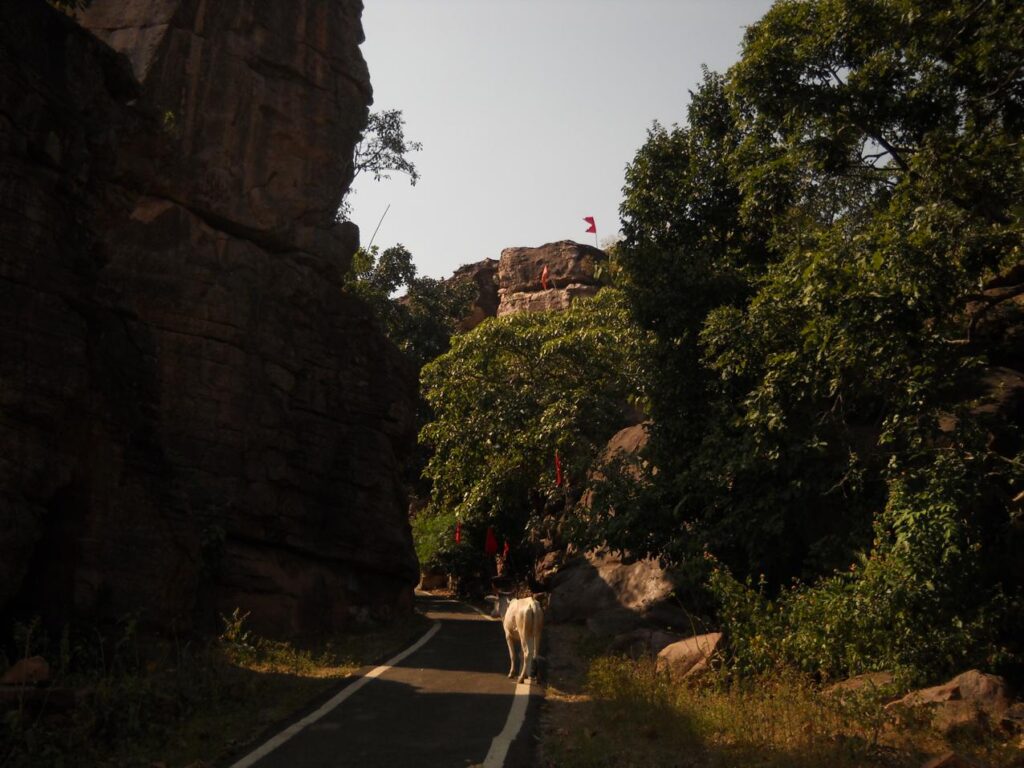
(529, 111)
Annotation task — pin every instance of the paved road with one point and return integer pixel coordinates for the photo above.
(442, 705)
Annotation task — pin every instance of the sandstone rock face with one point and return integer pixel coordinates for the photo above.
(602, 584)
(546, 567)
(485, 275)
(628, 441)
(193, 416)
(990, 690)
(571, 275)
(1000, 319)
(690, 656)
(970, 701)
(513, 284)
(259, 105)
(625, 446)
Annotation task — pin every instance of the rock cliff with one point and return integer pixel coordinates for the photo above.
(485, 275)
(571, 274)
(514, 284)
(193, 416)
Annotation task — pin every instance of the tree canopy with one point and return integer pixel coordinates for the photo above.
(822, 225)
(803, 286)
(514, 391)
(382, 149)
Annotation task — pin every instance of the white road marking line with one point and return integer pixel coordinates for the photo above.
(276, 741)
(485, 615)
(516, 717)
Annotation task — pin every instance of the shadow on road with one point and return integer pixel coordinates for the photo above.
(441, 706)
(393, 723)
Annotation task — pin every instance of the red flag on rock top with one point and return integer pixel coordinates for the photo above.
(491, 543)
(593, 226)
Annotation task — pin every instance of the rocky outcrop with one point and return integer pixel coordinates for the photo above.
(971, 700)
(194, 416)
(571, 275)
(604, 589)
(259, 106)
(514, 284)
(484, 275)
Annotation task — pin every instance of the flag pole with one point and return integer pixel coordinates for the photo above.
(378, 226)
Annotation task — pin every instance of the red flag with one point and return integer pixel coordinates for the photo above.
(558, 470)
(504, 552)
(458, 531)
(491, 543)
(593, 227)
(544, 277)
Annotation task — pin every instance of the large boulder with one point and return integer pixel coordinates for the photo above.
(199, 418)
(626, 446)
(601, 582)
(29, 671)
(613, 622)
(571, 275)
(690, 656)
(998, 318)
(988, 690)
(971, 700)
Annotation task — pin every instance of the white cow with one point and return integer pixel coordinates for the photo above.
(523, 619)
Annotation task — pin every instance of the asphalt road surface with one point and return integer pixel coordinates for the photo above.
(446, 704)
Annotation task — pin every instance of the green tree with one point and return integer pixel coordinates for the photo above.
(423, 320)
(382, 149)
(515, 390)
(819, 362)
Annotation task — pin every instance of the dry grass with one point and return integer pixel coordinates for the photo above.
(182, 706)
(604, 711)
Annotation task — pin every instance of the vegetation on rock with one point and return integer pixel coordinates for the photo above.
(382, 150)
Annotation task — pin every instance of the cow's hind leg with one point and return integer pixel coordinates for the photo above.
(529, 660)
(528, 641)
(511, 655)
